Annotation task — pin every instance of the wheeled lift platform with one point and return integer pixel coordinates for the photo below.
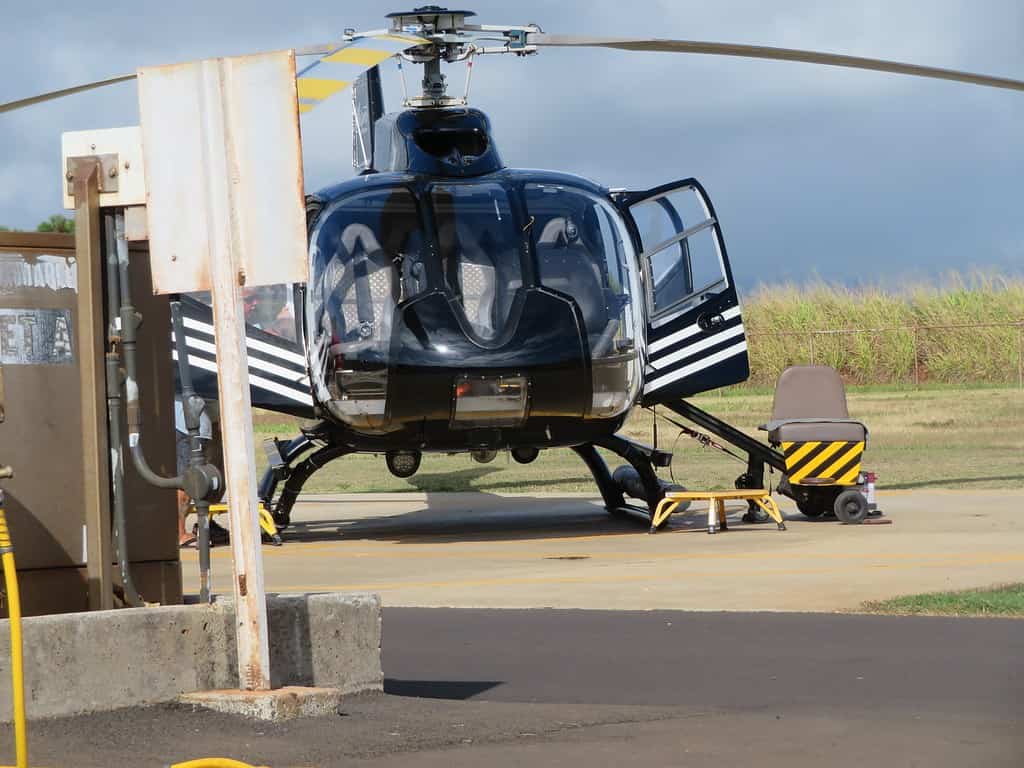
(716, 506)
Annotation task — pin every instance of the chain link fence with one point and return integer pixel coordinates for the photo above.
(969, 353)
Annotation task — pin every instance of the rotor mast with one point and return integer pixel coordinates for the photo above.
(451, 40)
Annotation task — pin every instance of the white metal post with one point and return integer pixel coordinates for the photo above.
(227, 278)
(225, 211)
(240, 470)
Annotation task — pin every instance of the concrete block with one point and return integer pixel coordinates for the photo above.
(85, 662)
(279, 704)
(325, 640)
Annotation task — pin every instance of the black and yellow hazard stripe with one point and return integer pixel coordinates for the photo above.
(836, 461)
(339, 69)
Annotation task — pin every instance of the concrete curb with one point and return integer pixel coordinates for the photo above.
(86, 662)
(279, 704)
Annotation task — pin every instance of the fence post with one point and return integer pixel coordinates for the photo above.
(812, 346)
(917, 365)
(1020, 355)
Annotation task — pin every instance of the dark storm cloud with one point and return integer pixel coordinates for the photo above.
(813, 170)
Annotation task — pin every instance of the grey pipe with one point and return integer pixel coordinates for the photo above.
(113, 372)
(193, 407)
(191, 403)
(129, 321)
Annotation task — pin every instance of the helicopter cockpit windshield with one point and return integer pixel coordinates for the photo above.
(481, 255)
(367, 256)
(375, 250)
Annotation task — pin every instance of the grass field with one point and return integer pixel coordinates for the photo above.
(924, 343)
(1003, 600)
(929, 438)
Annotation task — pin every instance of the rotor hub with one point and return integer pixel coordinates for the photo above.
(429, 20)
(451, 39)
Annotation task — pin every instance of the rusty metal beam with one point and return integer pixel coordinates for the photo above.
(36, 242)
(89, 350)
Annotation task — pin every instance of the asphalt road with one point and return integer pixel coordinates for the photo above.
(594, 688)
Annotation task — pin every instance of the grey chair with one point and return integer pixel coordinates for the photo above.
(821, 443)
(810, 404)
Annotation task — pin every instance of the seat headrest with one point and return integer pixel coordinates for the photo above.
(560, 231)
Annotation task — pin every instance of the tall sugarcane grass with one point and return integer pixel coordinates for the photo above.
(893, 338)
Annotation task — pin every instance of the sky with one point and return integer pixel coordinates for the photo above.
(815, 172)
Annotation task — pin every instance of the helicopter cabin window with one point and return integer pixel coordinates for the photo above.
(581, 251)
(480, 253)
(271, 308)
(367, 257)
(681, 247)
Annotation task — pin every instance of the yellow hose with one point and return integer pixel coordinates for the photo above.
(17, 661)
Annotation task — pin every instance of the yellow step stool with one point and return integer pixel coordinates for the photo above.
(267, 524)
(716, 506)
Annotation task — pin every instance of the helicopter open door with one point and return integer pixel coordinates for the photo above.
(695, 336)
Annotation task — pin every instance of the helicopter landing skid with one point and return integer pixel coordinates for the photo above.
(645, 484)
(294, 462)
(285, 464)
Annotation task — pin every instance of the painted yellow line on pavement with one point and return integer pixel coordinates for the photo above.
(660, 576)
(639, 555)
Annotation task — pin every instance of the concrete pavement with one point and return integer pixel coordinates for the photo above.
(484, 550)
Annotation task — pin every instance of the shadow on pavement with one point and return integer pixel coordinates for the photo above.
(475, 517)
(458, 690)
(469, 517)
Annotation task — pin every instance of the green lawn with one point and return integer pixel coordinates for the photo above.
(1004, 600)
(930, 438)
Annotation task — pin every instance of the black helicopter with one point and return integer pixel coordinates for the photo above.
(457, 305)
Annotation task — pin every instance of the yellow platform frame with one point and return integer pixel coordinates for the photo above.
(267, 524)
(716, 506)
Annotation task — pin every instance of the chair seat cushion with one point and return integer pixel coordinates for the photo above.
(804, 430)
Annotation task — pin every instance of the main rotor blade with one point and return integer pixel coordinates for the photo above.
(318, 50)
(310, 50)
(322, 49)
(10, 106)
(766, 52)
(346, 62)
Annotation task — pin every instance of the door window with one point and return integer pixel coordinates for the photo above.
(681, 248)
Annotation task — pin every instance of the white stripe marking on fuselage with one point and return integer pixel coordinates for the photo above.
(679, 354)
(256, 344)
(695, 367)
(271, 386)
(684, 333)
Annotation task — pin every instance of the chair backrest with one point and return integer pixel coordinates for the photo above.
(810, 392)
